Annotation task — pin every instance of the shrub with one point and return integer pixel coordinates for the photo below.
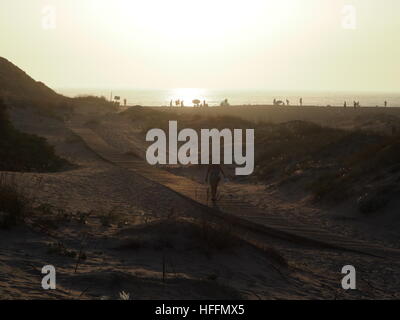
(109, 218)
(25, 152)
(58, 248)
(14, 204)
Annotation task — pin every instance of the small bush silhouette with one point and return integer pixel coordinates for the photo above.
(25, 152)
(14, 204)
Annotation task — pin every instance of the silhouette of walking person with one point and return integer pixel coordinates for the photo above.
(213, 177)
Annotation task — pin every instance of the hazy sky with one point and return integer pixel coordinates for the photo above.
(226, 44)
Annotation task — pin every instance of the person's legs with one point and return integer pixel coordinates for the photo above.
(213, 191)
(214, 188)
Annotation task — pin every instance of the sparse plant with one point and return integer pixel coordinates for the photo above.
(81, 254)
(14, 203)
(216, 237)
(83, 217)
(63, 215)
(59, 248)
(124, 295)
(111, 217)
(45, 209)
(49, 217)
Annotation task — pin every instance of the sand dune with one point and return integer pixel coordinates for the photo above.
(144, 239)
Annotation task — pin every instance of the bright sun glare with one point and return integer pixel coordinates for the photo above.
(189, 20)
(187, 95)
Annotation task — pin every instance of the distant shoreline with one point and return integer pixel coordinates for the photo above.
(269, 106)
(164, 97)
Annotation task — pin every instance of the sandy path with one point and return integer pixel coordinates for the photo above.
(333, 260)
(238, 199)
(144, 213)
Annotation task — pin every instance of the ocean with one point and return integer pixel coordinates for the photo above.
(163, 97)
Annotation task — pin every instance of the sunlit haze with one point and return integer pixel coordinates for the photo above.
(271, 45)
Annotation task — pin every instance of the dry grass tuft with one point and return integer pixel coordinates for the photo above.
(15, 205)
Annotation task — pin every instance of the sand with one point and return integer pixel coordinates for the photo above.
(154, 229)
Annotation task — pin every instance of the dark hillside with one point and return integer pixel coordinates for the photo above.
(18, 89)
(25, 152)
(15, 84)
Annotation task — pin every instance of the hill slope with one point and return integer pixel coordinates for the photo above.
(21, 151)
(15, 84)
(18, 89)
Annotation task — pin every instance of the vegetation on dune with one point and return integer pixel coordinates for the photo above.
(150, 118)
(334, 165)
(371, 174)
(14, 204)
(25, 152)
(331, 164)
(94, 102)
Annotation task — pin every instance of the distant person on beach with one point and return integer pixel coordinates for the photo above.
(213, 177)
(170, 103)
(345, 104)
(386, 103)
(287, 102)
(182, 104)
(301, 102)
(225, 103)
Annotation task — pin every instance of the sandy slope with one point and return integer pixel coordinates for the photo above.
(379, 119)
(292, 205)
(289, 202)
(154, 229)
(143, 210)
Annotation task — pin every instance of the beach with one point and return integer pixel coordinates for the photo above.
(163, 97)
